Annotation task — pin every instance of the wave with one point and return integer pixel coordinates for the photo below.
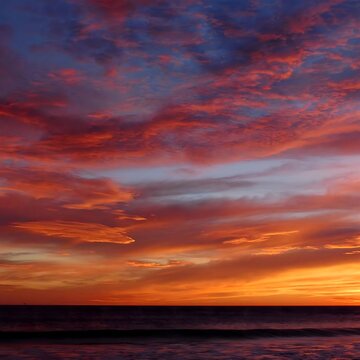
(111, 335)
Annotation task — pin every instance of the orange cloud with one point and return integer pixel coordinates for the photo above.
(82, 232)
(156, 265)
(73, 191)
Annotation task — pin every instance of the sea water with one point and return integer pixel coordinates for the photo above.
(138, 332)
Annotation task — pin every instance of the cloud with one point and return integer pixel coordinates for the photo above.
(84, 232)
(263, 237)
(188, 187)
(71, 191)
(156, 265)
(104, 102)
(118, 9)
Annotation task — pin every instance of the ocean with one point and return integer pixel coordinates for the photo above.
(179, 332)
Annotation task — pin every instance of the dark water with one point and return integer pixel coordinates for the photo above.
(110, 332)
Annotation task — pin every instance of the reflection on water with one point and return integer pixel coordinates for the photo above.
(269, 349)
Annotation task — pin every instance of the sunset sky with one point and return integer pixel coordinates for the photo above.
(189, 152)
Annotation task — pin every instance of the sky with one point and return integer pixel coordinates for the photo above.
(183, 152)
